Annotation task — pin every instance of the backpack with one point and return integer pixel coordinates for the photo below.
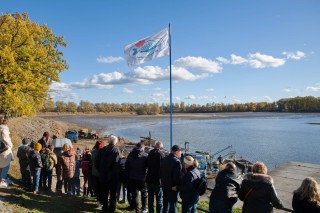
(202, 186)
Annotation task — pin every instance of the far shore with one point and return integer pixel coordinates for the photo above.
(221, 115)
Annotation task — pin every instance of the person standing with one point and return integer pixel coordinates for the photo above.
(153, 178)
(45, 140)
(6, 155)
(225, 192)
(136, 167)
(189, 185)
(66, 167)
(51, 163)
(76, 177)
(108, 165)
(87, 173)
(257, 191)
(22, 154)
(95, 173)
(170, 172)
(35, 164)
(307, 197)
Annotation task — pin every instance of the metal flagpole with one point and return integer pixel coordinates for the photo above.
(170, 88)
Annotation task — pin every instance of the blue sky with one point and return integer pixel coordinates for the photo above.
(222, 51)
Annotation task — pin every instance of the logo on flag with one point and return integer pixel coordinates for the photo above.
(154, 46)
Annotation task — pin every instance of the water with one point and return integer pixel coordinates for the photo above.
(272, 139)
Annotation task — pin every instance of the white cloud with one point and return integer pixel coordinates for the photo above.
(176, 98)
(157, 95)
(294, 55)
(127, 91)
(223, 60)
(59, 87)
(157, 89)
(314, 88)
(237, 59)
(234, 100)
(266, 98)
(258, 60)
(210, 90)
(190, 97)
(198, 63)
(109, 59)
(289, 90)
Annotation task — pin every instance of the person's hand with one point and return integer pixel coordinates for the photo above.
(174, 188)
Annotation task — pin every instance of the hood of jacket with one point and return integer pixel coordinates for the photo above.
(137, 152)
(254, 177)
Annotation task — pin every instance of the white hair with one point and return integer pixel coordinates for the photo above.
(113, 139)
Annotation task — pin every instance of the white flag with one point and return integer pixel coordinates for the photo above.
(146, 49)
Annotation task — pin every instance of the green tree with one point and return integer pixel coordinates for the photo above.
(30, 61)
(71, 107)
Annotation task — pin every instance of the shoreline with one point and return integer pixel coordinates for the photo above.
(222, 115)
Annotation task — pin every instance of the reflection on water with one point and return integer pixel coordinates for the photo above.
(274, 140)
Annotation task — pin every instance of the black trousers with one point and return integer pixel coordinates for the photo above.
(134, 187)
(108, 195)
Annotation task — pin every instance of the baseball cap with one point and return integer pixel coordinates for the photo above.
(176, 148)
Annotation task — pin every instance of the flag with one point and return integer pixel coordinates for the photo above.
(154, 46)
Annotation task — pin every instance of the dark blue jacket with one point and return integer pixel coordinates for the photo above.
(170, 171)
(136, 164)
(189, 185)
(34, 160)
(154, 162)
(108, 163)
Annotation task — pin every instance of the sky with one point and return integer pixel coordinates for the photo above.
(221, 51)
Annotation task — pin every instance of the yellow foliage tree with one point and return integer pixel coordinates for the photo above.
(29, 62)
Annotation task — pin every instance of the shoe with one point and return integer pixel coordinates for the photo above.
(144, 211)
(3, 184)
(36, 192)
(99, 204)
(122, 201)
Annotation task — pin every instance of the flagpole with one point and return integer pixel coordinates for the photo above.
(170, 88)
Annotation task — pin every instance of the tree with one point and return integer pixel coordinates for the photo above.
(71, 107)
(61, 106)
(29, 62)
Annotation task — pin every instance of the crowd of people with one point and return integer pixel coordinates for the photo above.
(159, 178)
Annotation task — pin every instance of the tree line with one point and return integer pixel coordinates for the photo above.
(297, 104)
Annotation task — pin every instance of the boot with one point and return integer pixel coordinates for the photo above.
(85, 192)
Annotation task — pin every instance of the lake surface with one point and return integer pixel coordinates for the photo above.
(274, 139)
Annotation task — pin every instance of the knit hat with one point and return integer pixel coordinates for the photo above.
(37, 147)
(26, 141)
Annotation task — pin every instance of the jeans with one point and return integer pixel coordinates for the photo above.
(4, 172)
(46, 175)
(189, 207)
(170, 201)
(221, 206)
(124, 192)
(36, 179)
(155, 190)
(76, 186)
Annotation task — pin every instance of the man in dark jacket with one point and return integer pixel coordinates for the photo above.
(225, 192)
(153, 177)
(170, 172)
(108, 166)
(22, 154)
(136, 166)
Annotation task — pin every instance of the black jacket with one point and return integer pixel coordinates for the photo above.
(262, 196)
(170, 171)
(153, 163)
(136, 165)
(227, 185)
(303, 206)
(108, 163)
(189, 185)
(22, 154)
(34, 160)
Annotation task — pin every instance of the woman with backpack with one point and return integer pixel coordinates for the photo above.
(189, 185)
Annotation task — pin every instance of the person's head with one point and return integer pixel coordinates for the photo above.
(309, 190)
(231, 166)
(37, 147)
(159, 145)
(26, 141)
(260, 168)
(54, 137)
(113, 140)
(140, 146)
(66, 147)
(32, 144)
(99, 145)
(190, 161)
(46, 135)
(176, 150)
(86, 149)
(4, 121)
(51, 147)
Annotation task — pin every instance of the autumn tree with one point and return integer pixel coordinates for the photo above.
(30, 60)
